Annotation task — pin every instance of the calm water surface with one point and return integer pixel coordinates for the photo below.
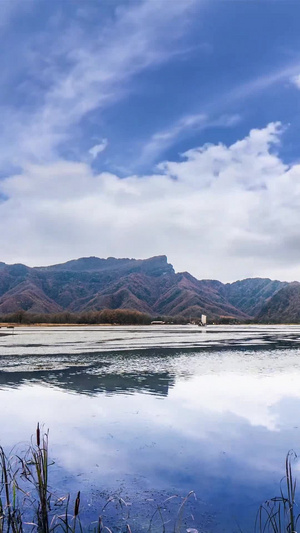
(150, 412)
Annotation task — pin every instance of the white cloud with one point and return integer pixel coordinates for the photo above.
(67, 74)
(261, 83)
(80, 73)
(98, 148)
(161, 140)
(296, 81)
(221, 212)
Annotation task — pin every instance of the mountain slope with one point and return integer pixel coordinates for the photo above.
(283, 307)
(249, 295)
(149, 285)
(188, 296)
(27, 296)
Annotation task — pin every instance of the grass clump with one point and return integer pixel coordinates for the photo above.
(27, 502)
(281, 514)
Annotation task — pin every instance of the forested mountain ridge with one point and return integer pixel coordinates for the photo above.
(146, 285)
(283, 307)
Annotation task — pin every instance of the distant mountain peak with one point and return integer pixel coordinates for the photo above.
(148, 285)
(97, 263)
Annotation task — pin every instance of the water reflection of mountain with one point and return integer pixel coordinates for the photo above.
(92, 380)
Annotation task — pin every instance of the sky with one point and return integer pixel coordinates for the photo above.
(134, 128)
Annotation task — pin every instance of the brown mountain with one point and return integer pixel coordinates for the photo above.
(283, 307)
(149, 285)
(250, 295)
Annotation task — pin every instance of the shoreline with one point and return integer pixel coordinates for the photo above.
(12, 325)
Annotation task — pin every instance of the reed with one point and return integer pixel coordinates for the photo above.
(28, 504)
(281, 514)
(10, 513)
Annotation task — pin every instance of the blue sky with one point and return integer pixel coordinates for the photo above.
(137, 128)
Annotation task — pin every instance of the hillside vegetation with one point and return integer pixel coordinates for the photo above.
(149, 286)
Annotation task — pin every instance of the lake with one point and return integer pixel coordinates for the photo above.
(150, 412)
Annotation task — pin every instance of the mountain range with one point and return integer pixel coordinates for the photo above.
(147, 285)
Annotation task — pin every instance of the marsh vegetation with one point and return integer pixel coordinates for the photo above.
(28, 502)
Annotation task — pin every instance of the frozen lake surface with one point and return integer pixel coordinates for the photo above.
(151, 412)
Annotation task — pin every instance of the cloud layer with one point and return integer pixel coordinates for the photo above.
(220, 212)
(68, 72)
(92, 93)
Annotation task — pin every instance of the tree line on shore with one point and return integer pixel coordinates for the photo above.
(106, 316)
